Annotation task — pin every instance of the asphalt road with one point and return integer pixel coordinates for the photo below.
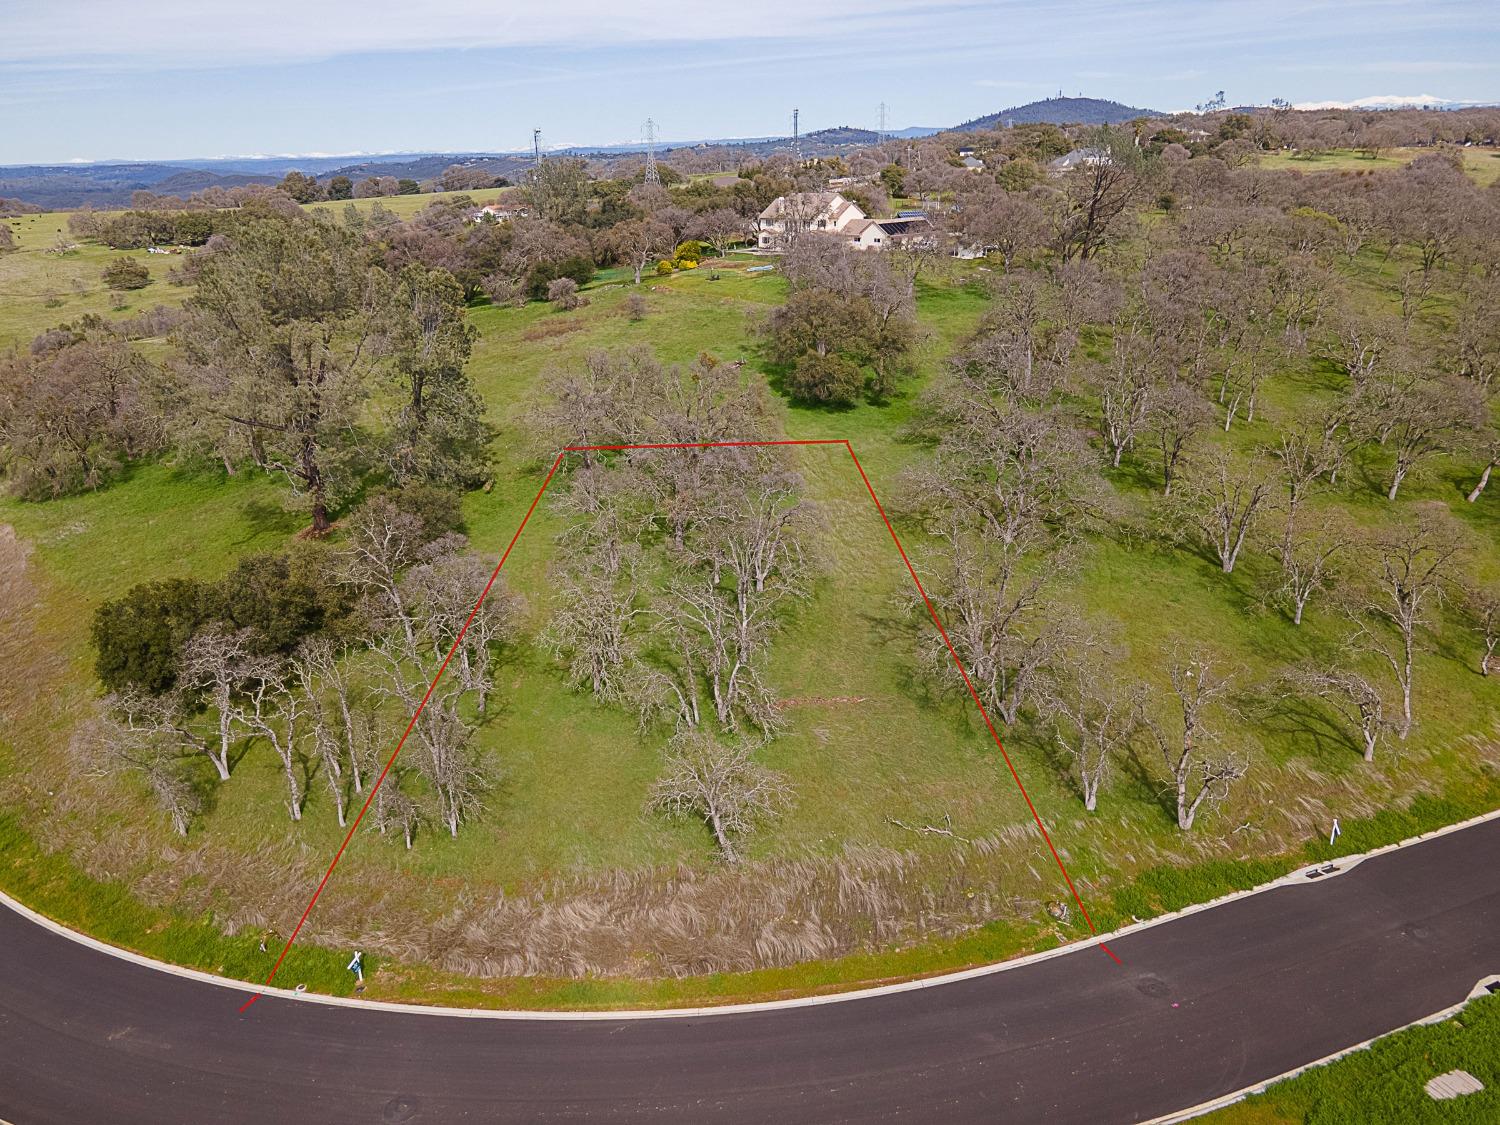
(1203, 1005)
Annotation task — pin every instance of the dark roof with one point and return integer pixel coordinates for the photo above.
(898, 227)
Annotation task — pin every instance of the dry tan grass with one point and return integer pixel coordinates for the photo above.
(549, 329)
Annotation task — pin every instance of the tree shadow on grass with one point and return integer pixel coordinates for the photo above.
(1144, 786)
(1049, 750)
(203, 780)
(261, 518)
(1302, 728)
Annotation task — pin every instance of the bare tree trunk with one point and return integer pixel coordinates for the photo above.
(1484, 479)
(312, 474)
(1185, 810)
(288, 761)
(221, 759)
(726, 843)
(1406, 688)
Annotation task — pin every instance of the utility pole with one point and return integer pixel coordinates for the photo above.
(536, 147)
(653, 176)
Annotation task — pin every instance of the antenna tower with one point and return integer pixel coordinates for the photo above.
(652, 175)
(796, 135)
(881, 134)
(536, 146)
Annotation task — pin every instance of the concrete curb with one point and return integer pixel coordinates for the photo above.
(1480, 989)
(1301, 878)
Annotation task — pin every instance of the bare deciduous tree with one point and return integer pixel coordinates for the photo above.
(218, 663)
(383, 541)
(1177, 414)
(591, 630)
(1096, 194)
(444, 596)
(719, 782)
(639, 242)
(992, 219)
(1488, 444)
(1412, 566)
(1125, 386)
(143, 734)
(1420, 418)
(1307, 567)
(1094, 716)
(563, 293)
(1006, 635)
(1356, 699)
(1306, 455)
(722, 611)
(1019, 475)
(1221, 499)
(721, 228)
(1197, 777)
(327, 666)
(305, 666)
(1483, 607)
(395, 810)
(271, 705)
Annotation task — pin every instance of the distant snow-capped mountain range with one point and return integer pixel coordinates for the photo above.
(1392, 101)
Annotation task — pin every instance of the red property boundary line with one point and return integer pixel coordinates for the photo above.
(495, 574)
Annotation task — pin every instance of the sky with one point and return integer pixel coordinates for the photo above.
(174, 79)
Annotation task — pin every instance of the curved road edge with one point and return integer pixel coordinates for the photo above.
(1305, 876)
(1484, 987)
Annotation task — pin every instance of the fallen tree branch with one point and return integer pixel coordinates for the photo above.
(931, 829)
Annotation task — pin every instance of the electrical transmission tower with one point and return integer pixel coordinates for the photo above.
(652, 175)
(881, 134)
(536, 147)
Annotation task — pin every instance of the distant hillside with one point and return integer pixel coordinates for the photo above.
(107, 185)
(431, 165)
(1060, 111)
(842, 135)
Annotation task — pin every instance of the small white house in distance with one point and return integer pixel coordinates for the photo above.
(494, 213)
(789, 215)
(1078, 158)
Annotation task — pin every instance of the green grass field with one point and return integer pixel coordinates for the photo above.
(574, 774)
(41, 288)
(1483, 164)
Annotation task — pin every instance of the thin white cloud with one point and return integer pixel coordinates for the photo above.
(207, 33)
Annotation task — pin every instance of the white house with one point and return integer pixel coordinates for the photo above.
(878, 234)
(830, 214)
(1078, 158)
(789, 215)
(493, 212)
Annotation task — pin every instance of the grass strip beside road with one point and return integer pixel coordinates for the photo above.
(52, 885)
